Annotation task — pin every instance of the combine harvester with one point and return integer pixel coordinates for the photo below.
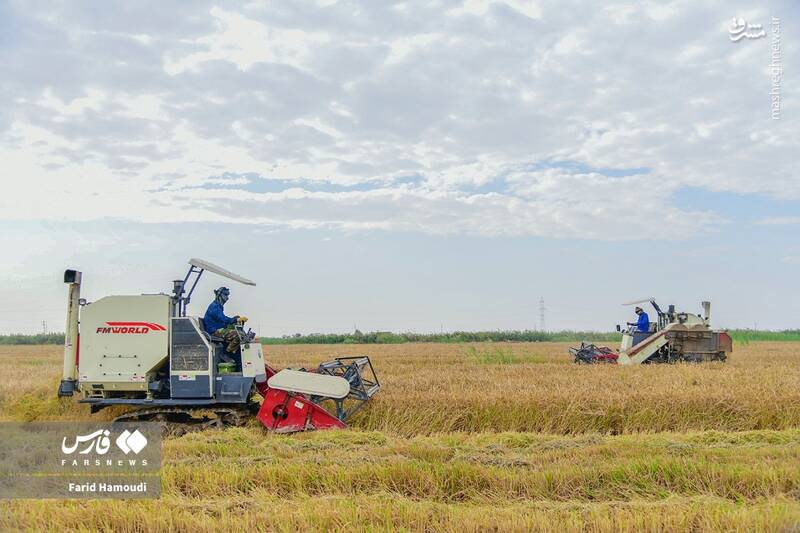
(673, 338)
(144, 351)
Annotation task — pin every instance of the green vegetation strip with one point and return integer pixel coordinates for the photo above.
(386, 337)
(738, 335)
(23, 339)
(742, 336)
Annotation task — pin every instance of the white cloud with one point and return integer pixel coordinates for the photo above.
(405, 46)
(318, 125)
(144, 106)
(245, 42)
(569, 44)
(523, 119)
(528, 8)
(93, 101)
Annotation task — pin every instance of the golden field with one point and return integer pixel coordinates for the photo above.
(508, 437)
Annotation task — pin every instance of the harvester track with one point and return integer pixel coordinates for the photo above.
(180, 420)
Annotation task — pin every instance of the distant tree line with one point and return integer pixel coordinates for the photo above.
(381, 337)
(38, 338)
(387, 337)
(742, 336)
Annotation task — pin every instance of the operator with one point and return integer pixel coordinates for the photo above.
(643, 323)
(219, 325)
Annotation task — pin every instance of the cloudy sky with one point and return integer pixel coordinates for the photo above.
(402, 165)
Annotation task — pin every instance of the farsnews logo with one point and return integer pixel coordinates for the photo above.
(135, 328)
(100, 443)
(97, 442)
(80, 459)
(131, 442)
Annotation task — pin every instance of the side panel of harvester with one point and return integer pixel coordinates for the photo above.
(692, 343)
(643, 351)
(191, 360)
(193, 366)
(123, 339)
(699, 341)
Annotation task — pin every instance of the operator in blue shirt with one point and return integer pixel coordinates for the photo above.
(643, 323)
(219, 325)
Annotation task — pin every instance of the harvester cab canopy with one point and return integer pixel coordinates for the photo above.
(181, 298)
(211, 267)
(642, 301)
(651, 300)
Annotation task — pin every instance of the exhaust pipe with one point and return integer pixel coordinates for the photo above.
(707, 311)
(69, 376)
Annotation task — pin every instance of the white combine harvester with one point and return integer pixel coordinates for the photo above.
(672, 338)
(144, 351)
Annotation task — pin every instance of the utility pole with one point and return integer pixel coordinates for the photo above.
(44, 327)
(541, 314)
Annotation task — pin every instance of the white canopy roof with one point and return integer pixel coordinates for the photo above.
(211, 267)
(642, 301)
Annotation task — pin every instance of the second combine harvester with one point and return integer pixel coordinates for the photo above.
(673, 337)
(145, 351)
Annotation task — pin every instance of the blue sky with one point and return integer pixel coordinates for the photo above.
(402, 166)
